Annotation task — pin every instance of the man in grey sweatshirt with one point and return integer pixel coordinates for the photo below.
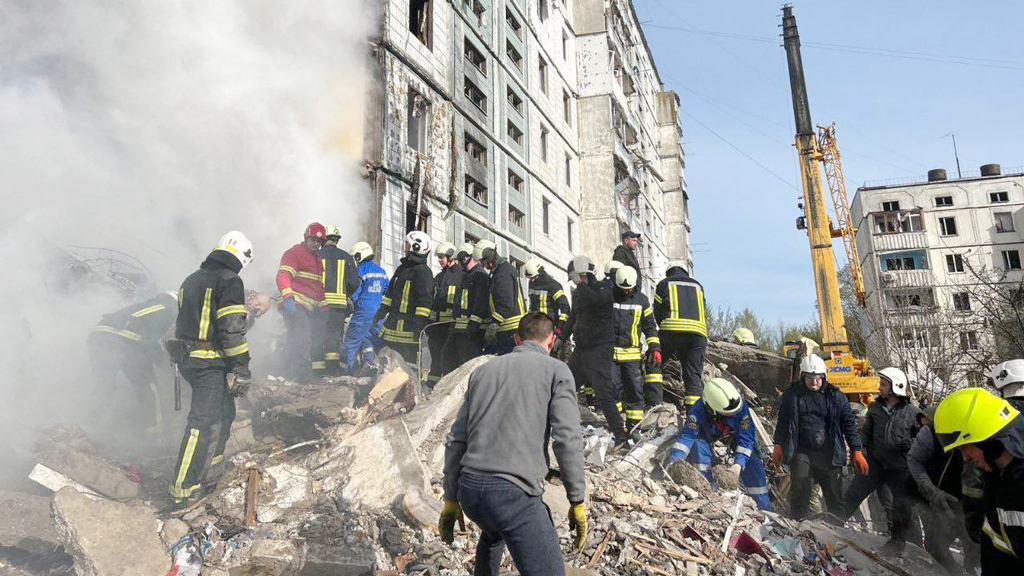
(496, 455)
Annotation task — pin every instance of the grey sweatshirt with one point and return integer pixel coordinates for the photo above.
(514, 404)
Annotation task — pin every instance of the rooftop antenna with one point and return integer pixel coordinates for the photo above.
(955, 155)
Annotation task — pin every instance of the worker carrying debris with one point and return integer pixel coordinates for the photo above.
(547, 295)
(507, 306)
(625, 254)
(814, 427)
(632, 317)
(679, 308)
(340, 282)
(405, 307)
(446, 287)
(989, 433)
(300, 280)
(888, 431)
(496, 455)
(373, 284)
(723, 414)
(211, 351)
(592, 361)
(472, 311)
(128, 342)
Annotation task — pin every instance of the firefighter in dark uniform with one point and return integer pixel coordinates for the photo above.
(679, 309)
(406, 306)
(506, 303)
(592, 362)
(446, 287)
(341, 280)
(213, 356)
(128, 342)
(547, 295)
(633, 317)
(472, 311)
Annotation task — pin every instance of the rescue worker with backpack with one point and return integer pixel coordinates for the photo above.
(405, 307)
(341, 280)
(373, 283)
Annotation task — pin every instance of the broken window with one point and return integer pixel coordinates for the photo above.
(513, 22)
(941, 201)
(544, 143)
(419, 20)
(474, 57)
(913, 260)
(962, 301)
(476, 190)
(417, 115)
(892, 206)
(514, 100)
(412, 222)
(545, 212)
(954, 263)
(542, 69)
(475, 149)
(897, 222)
(474, 95)
(514, 181)
(1004, 222)
(467, 237)
(1011, 260)
(514, 133)
(475, 8)
(513, 55)
(947, 226)
(968, 341)
(516, 217)
(998, 197)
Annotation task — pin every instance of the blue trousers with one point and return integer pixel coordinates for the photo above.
(508, 516)
(358, 337)
(752, 479)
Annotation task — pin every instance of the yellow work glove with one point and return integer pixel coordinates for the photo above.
(578, 522)
(450, 514)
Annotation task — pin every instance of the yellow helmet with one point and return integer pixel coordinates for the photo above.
(743, 336)
(721, 397)
(971, 415)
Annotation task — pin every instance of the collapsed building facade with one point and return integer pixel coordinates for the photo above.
(542, 126)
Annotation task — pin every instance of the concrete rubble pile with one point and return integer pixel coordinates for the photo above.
(344, 478)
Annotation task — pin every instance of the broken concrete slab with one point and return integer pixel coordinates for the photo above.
(86, 469)
(438, 411)
(242, 437)
(271, 557)
(282, 487)
(421, 510)
(324, 560)
(172, 531)
(305, 413)
(107, 538)
(765, 373)
(25, 523)
(50, 478)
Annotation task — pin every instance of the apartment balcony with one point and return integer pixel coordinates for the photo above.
(899, 241)
(906, 278)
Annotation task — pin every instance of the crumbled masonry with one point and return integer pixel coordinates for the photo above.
(349, 483)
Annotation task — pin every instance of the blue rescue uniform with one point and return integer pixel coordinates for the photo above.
(703, 429)
(373, 283)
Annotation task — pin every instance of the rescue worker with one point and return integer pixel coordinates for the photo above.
(743, 337)
(340, 281)
(592, 361)
(633, 318)
(373, 284)
(446, 285)
(723, 414)
(472, 315)
(989, 433)
(496, 456)
(213, 356)
(405, 307)
(814, 421)
(300, 280)
(679, 309)
(887, 434)
(128, 342)
(450, 351)
(506, 302)
(937, 476)
(546, 294)
(609, 271)
(626, 254)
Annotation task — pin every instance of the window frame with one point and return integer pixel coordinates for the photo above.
(1008, 259)
(943, 204)
(1008, 218)
(944, 229)
(998, 197)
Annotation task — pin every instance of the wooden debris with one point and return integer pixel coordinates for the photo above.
(879, 559)
(601, 547)
(252, 491)
(674, 553)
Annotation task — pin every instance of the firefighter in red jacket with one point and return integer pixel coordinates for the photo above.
(302, 303)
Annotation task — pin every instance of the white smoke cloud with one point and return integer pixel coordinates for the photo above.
(152, 127)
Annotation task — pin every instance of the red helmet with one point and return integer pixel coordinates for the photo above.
(315, 230)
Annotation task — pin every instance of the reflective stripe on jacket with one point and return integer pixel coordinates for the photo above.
(446, 287)
(142, 322)
(340, 278)
(632, 315)
(300, 276)
(407, 301)
(679, 305)
(547, 296)
(211, 312)
(473, 312)
(506, 297)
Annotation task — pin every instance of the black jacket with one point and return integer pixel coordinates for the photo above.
(592, 315)
(887, 436)
(928, 464)
(506, 299)
(1004, 498)
(841, 423)
(547, 296)
(628, 257)
(407, 302)
(446, 290)
(474, 311)
(679, 304)
(633, 317)
(341, 277)
(146, 322)
(211, 315)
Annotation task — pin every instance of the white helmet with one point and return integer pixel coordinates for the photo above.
(721, 397)
(1008, 378)
(445, 249)
(466, 250)
(897, 379)
(333, 231)
(172, 294)
(485, 251)
(581, 265)
(611, 267)
(361, 251)
(533, 267)
(236, 244)
(625, 277)
(812, 364)
(418, 243)
(681, 264)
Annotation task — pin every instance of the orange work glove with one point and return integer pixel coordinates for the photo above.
(860, 462)
(777, 455)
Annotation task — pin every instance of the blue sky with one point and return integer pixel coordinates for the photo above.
(948, 67)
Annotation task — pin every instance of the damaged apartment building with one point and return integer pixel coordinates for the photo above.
(539, 124)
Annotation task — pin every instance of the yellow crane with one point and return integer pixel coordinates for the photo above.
(819, 153)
